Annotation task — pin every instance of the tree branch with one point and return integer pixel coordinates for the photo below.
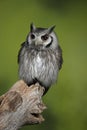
(21, 105)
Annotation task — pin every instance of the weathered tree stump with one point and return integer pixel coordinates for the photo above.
(21, 105)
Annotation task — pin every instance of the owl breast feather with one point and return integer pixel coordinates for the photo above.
(40, 65)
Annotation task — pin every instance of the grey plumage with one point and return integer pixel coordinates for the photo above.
(40, 57)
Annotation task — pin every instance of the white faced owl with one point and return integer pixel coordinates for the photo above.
(40, 57)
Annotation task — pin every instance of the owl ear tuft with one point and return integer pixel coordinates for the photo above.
(50, 29)
(32, 27)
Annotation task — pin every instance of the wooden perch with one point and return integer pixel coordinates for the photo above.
(21, 105)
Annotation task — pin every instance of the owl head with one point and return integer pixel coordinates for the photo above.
(43, 37)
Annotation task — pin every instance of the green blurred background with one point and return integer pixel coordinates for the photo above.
(66, 100)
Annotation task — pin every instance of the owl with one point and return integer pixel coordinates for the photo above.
(40, 57)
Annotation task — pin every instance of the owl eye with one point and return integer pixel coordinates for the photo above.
(45, 37)
(32, 36)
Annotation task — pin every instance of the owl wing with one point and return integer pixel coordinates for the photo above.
(19, 53)
(60, 58)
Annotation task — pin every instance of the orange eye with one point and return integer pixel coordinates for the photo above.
(32, 36)
(45, 37)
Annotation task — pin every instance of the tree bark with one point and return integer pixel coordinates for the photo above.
(21, 105)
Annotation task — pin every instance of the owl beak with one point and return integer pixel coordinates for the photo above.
(38, 42)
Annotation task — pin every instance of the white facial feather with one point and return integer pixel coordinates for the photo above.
(55, 41)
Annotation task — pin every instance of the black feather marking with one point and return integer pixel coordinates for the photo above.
(22, 46)
(50, 42)
(60, 58)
